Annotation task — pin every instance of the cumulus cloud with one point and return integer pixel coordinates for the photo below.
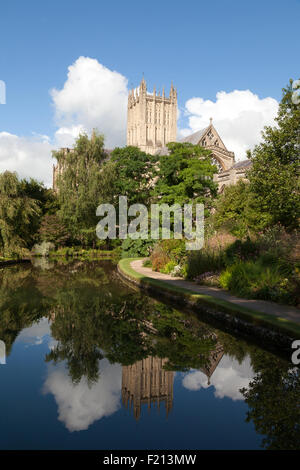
(29, 157)
(227, 379)
(81, 405)
(93, 96)
(239, 117)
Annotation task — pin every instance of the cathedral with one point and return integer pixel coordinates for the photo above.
(152, 124)
(151, 118)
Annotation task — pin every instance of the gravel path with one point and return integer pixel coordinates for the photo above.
(288, 312)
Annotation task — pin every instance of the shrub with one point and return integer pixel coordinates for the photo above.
(204, 260)
(136, 248)
(147, 263)
(169, 267)
(241, 251)
(256, 280)
(159, 258)
(174, 249)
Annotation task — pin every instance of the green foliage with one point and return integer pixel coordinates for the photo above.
(130, 173)
(19, 216)
(274, 177)
(272, 194)
(241, 250)
(53, 230)
(260, 280)
(136, 248)
(169, 267)
(186, 176)
(238, 211)
(203, 261)
(79, 184)
(167, 254)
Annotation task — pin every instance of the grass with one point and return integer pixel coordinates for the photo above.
(255, 317)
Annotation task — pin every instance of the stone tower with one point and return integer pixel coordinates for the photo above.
(151, 118)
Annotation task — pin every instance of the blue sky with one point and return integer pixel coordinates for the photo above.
(204, 47)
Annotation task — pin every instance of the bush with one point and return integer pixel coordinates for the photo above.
(167, 254)
(241, 251)
(159, 258)
(205, 260)
(257, 280)
(169, 267)
(136, 248)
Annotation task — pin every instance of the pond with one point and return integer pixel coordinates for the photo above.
(94, 364)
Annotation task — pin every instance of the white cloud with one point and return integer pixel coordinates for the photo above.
(228, 378)
(81, 405)
(239, 117)
(93, 96)
(29, 157)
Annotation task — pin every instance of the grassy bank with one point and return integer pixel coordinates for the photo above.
(275, 323)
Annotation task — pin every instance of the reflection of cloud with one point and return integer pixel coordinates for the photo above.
(36, 333)
(80, 405)
(227, 379)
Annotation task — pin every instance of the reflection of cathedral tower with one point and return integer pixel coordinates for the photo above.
(213, 361)
(146, 381)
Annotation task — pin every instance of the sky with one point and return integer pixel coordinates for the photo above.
(67, 67)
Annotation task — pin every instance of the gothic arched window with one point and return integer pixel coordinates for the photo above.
(216, 162)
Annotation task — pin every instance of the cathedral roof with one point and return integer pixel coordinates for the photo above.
(242, 164)
(194, 138)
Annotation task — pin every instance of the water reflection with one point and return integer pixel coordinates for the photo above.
(81, 404)
(109, 348)
(147, 382)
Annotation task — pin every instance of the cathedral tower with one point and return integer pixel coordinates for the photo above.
(151, 118)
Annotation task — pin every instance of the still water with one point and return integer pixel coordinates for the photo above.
(93, 364)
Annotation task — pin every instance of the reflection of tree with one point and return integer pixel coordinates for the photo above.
(185, 341)
(88, 322)
(273, 397)
(20, 303)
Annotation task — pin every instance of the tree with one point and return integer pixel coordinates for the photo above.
(130, 173)
(19, 215)
(238, 210)
(274, 177)
(186, 176)
(79, 183)
(53, 230)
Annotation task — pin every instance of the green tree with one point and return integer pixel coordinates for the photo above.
(238, 210)
(53, 230)
(130, 172)
(274, 177)
(19, 215)
(79, 183)
(186, 176)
